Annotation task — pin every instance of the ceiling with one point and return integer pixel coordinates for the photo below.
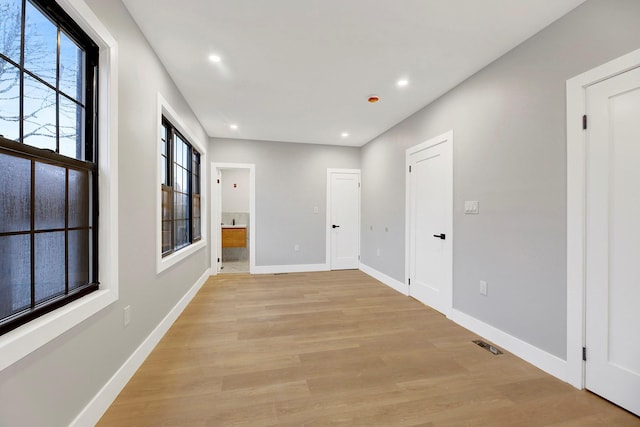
(302, 70)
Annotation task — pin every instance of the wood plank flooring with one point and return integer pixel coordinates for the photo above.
(338, 349)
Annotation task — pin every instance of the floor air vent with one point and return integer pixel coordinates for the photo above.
(488, 347)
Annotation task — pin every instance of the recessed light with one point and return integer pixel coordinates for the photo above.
(233, 126)
(344, 134)
(215, 58)
(403, 82)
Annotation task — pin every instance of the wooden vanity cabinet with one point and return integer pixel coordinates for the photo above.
(234, 237)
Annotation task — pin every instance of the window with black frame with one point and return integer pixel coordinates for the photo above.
(48, 168)
(195, 196)
(180, 187)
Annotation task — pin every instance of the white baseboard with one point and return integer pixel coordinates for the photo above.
(293, 268)
(403, 288)
(94, 410)
(549, 363)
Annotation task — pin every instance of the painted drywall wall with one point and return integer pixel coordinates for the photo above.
(235, 190)
(291, 180)
(52, 385)
(509, 154)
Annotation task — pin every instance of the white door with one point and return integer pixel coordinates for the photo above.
(613, 240)
(344, 219)
(430, 225)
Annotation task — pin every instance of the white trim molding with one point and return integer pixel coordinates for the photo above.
(216, 208)
(163, 263)
(547, 362)
(26, 339)
(394, 284)
(293, 268)
(576, 206)
(96, 408)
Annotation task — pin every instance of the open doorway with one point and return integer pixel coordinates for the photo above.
(234, 213)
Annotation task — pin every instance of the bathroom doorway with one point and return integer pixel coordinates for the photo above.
(234, 208)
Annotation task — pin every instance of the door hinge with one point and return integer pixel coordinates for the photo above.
(409, 169)
(584, 122)
(358, 257)
(409, 281)
(584, 353)
(218, 181)
(358, 185)
(218, 259)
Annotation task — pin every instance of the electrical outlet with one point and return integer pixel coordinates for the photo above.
(471, 207)
(296, 248)
(484, 288)
(127, 315)
(316, 210)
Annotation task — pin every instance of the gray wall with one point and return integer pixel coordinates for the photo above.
(291, 179)
(509, 153)
(52, 385)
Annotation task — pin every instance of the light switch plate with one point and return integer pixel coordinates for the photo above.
(484, 288)
(471, 207)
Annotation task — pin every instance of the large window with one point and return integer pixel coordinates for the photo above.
(180, 183)
(48, 150)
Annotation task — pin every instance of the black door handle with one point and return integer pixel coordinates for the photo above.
(440, 236)
(335, 226)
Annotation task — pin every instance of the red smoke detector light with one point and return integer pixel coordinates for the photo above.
(373, 98)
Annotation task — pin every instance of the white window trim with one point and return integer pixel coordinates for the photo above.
(29, 337)
(163, 263)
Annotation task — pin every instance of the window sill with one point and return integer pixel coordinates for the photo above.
(28, 338)
(169, 261)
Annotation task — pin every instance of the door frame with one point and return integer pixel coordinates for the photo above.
(331, 171)
(576, 207)
(216, 213)
(445, 137)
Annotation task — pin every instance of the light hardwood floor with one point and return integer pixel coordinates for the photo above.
(337, 348)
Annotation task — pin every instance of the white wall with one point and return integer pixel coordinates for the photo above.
(235, 190)
(52, 385)
(510, 155)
